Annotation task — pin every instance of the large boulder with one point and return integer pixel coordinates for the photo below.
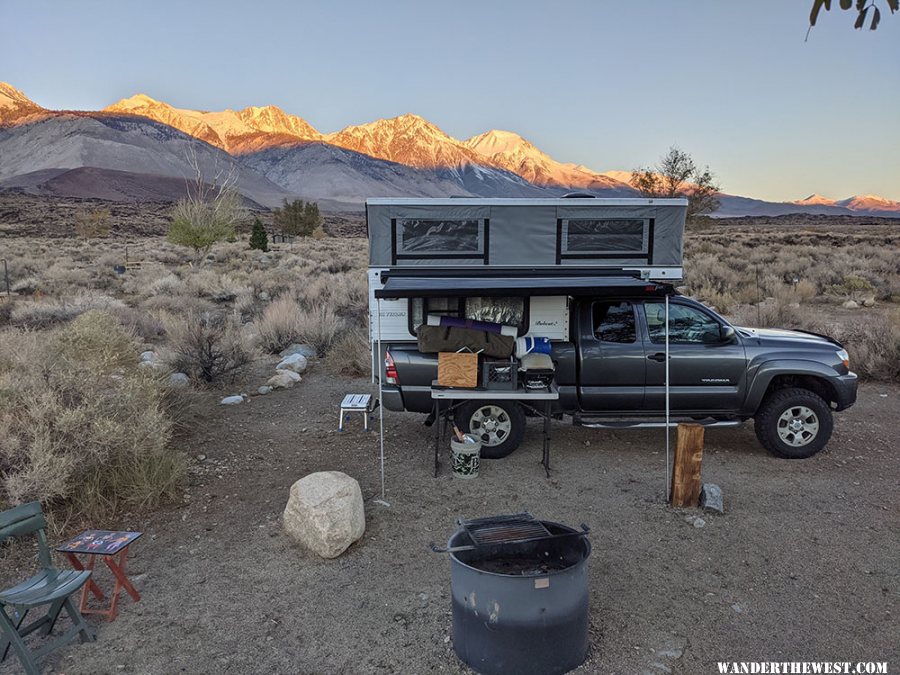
(304, 350)
(295, 362)
(325, 513)
(283, 379)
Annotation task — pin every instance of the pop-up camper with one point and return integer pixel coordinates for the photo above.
(535, 250)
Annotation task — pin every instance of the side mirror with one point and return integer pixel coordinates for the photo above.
(727, 333)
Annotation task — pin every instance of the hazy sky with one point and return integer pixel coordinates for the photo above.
(606, 84)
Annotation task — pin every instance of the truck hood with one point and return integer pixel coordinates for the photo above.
(778, 336)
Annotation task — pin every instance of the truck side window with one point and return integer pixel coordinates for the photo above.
(614, 322)
(686, 324)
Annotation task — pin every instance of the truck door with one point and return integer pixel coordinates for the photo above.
(707, 372)
(612, 360)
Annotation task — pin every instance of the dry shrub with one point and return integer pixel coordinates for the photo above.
(208, 348)
(319, 327)
(350, 355)
(92, 223)
(279, 325)
(43, 313)
(82, 425)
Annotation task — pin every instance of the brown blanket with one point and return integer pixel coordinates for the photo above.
(434, 339)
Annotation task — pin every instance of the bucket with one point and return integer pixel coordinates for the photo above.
(465, 457)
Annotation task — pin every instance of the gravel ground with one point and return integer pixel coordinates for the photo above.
(802, 566)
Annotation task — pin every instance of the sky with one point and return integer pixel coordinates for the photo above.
(610, 85)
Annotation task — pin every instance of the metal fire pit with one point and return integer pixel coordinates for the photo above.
(520, 595)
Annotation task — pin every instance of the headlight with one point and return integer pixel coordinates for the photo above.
(844, 356)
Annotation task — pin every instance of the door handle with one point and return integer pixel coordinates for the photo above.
(659, 356)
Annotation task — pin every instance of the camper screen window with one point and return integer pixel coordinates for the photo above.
(439, 238)
(604, 236)
(506, 311)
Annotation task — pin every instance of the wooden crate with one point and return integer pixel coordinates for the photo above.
(458, 369)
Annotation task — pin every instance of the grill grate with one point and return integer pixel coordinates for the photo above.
(511, 529)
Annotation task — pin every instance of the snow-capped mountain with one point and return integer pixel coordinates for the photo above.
(232, 130)
(510, 151)
(870, 203)
(815, 200)
(15, 107)
(407, 139)
(139, 148)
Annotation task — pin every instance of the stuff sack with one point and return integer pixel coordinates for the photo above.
(532, 345)
(434, 339)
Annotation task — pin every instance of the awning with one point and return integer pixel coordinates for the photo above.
(468, 286)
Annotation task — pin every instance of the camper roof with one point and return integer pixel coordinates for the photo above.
(559, 201)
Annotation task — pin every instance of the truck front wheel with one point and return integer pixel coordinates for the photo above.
(499, 425)
(793, 423)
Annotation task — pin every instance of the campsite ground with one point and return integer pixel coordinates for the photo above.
(802, 566)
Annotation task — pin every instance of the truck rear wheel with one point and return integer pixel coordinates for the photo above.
(793, 423)
(499, 425)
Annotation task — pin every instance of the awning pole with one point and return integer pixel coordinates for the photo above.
(668, 485)
(380, 400)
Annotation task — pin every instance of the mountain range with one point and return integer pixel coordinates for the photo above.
(143, 149)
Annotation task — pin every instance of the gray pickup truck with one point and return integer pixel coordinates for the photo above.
(611, 374)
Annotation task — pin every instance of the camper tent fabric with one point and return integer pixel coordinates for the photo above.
(516, 232)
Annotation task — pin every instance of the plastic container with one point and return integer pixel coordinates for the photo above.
(465, 458)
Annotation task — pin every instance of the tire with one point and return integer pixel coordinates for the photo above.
(793, 423)
(505, 427)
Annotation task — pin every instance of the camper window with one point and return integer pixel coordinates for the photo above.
(508, 311)
(614, 322)
(418, 238)
(601, 237)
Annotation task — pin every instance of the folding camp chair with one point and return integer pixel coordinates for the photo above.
(50, 586)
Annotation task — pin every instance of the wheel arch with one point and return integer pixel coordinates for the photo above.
(810, 375)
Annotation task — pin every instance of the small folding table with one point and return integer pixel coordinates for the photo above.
(112, 546)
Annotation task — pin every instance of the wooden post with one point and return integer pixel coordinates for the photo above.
(686, 465)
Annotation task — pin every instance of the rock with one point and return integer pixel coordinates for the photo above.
(283, 379)
(231, 400)
(178, 380)
(294, 362)
(304, 350)
(156, 365)
(699, 522)
(148, 356)
(325, 513)
(711, 498)
(850, 304)
(868, 301)
(263, 390)
(265, 297)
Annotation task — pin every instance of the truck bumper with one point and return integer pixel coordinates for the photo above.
(845, 387)
(392, 399)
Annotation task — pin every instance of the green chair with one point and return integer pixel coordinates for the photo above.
(49, 587)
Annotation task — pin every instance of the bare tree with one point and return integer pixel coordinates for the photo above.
(210, 209)
(676, 175)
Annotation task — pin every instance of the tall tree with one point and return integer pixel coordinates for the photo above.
(297, 218)
(676, 175)
(864, 9)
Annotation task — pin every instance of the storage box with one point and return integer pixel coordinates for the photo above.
(458, 369)
(499, 374)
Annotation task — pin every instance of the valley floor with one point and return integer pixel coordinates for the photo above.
(802, 566)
